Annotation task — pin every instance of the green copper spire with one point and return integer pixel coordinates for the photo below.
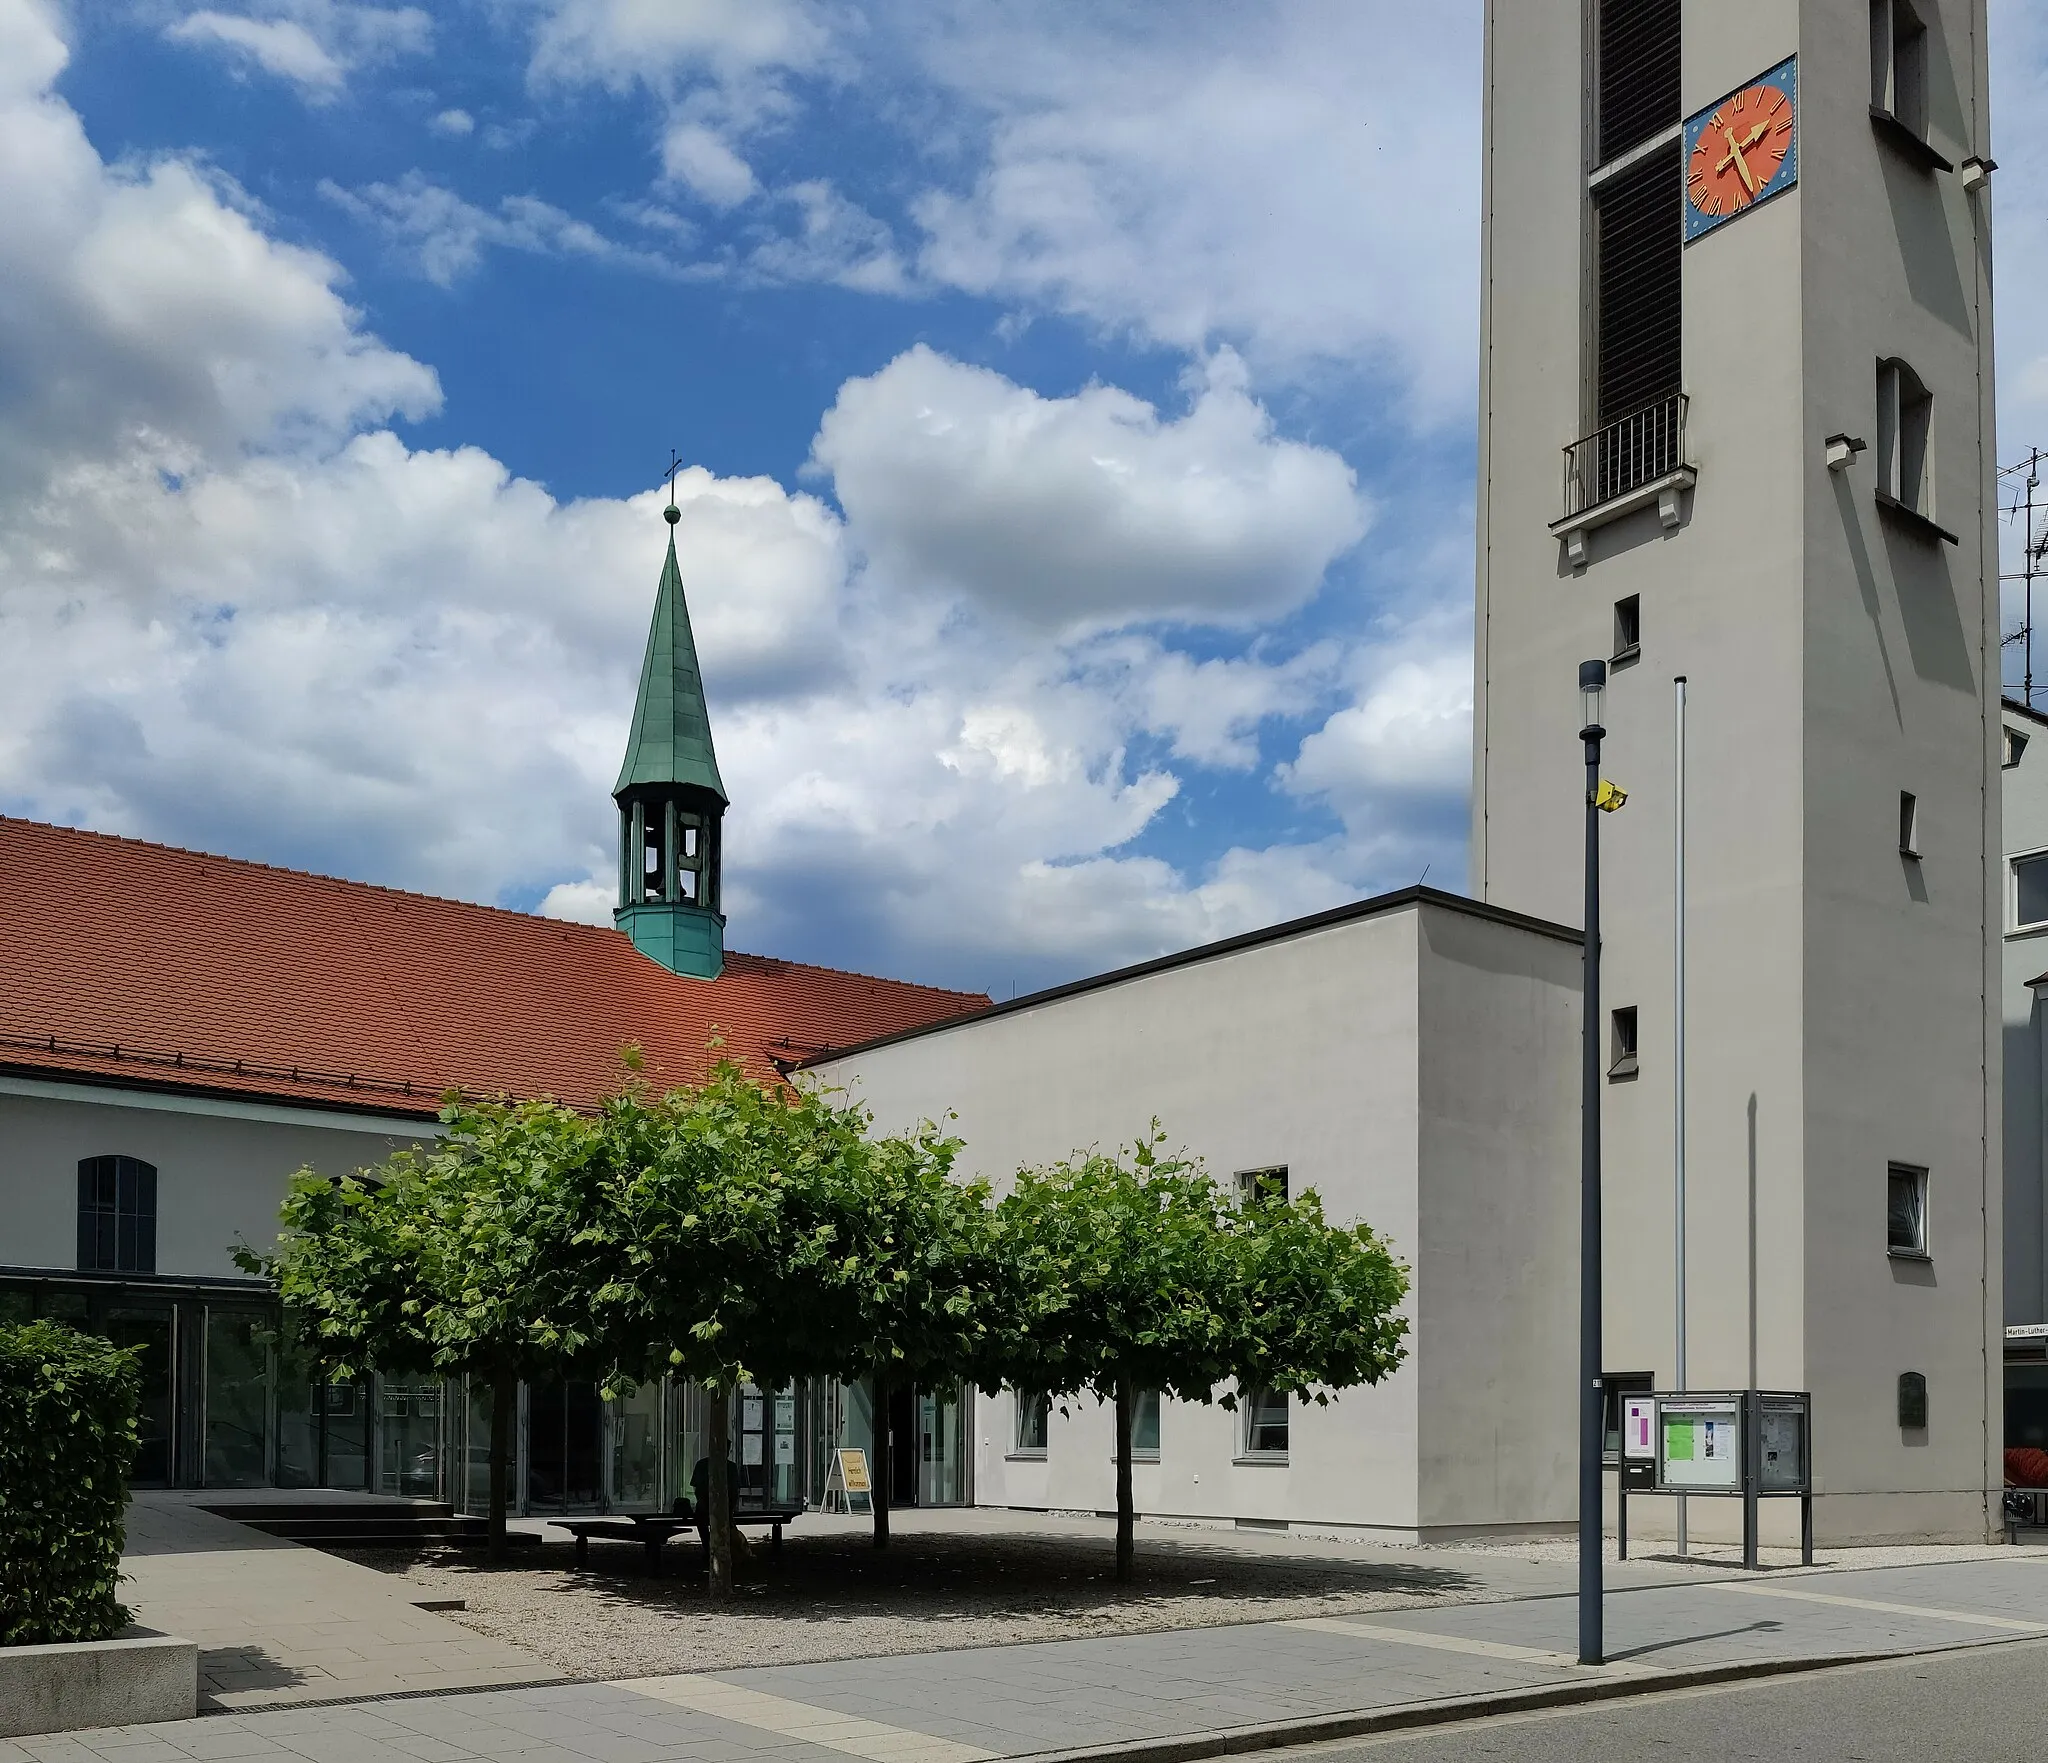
(671, 799)
(670, 741)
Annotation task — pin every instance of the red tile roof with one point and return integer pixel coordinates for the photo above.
(139, 964)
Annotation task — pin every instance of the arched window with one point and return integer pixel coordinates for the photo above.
(116, 1215)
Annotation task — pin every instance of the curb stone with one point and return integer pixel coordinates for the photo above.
(1317, 1729)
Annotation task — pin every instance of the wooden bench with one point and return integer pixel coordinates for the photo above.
(652, 1529)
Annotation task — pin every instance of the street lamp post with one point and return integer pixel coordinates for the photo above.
(1592, 1409)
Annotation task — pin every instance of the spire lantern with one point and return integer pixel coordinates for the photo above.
(671, 799)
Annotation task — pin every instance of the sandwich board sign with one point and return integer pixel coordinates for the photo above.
(847, 1478)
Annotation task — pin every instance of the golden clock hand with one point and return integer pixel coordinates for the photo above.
(1735, 158)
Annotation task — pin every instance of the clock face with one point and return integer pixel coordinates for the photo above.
(1741, 151)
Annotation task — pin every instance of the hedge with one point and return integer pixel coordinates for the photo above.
(67, 1443)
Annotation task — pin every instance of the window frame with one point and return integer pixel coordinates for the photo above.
(1268, 1181)
(1920, 1247)
(1905, 440)
(1628, 631)
(2015, 925)
(1898, 67)
(2013, 748)
(1250, 1404)
(1140, 1399)
(1624, 1026)
(1909, 826)
(1024, 1403)
(128, 1232)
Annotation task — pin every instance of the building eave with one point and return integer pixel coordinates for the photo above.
(1378, 906)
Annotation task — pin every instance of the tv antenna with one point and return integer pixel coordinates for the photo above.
(2029, 505)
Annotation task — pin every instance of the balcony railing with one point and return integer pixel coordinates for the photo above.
(1642, 447)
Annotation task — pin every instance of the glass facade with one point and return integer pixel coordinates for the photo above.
(229, 1400)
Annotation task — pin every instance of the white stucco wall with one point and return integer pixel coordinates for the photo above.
(222, 1167)
(1416, 1068)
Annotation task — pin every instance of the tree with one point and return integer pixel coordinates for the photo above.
(1312, 1307)
(1118, 1278)
(725, 1248)
(473, 1255)
(916, 1268)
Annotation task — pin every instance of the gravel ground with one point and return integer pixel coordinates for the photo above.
(837, 1597)
(966, 1580)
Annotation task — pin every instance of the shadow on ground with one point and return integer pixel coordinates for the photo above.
(225, 1670)
(836, 1596)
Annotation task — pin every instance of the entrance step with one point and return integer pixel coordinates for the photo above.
(394, 1524)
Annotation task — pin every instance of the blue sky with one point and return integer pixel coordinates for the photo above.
(1077, 401)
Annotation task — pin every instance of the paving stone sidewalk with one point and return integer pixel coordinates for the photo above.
(1003, 1702)
(279, 1623)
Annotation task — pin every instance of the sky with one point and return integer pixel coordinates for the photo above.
(1075, 404)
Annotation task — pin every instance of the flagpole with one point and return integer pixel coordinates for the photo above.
(1678, 1042)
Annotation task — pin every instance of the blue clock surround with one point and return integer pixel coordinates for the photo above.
(1785, 76)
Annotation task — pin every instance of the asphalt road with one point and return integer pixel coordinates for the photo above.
(1986, 1704)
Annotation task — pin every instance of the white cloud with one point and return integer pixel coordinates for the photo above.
(1085, 509)
(312, 44)
(623, 43)
(696, 156)
(1299, 177)
(278, 46)
(835, 241)
(148, 309)
(237, 613)
(1409, 734)
(446, 236)
(453, 123)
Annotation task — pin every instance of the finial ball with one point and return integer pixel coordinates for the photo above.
(671, 514)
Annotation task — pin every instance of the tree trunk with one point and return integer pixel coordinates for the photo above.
(504, 1404)
(879, 1472)
(718, 1428)
(1126, 1516)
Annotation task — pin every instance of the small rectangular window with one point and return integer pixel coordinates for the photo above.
(2030, 891)
(1905, 426)
(1898, 64)
(1032, 1409)
(1265, 1423)
(1909, 824)
(116, 1215)
(2015, 745)
(1906, 1211)
(1628, 630)
(1621, 1043)
(1262, 1184)
(1145, 1424)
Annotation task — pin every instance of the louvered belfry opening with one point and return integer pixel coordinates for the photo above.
(1638, 377)
(1638, 94)
(1641, 244)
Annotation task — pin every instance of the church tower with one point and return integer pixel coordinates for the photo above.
(1736, 426)
(671, 798)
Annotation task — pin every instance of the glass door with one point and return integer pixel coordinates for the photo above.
(564, 1447)
(409, 1439)
(942, 1457)
(237, 1399)
(636, 1450)
(149, 1327)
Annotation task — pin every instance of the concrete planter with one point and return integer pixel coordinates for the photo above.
(76, 1684)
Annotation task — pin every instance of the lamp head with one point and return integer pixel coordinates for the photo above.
(1592, 693)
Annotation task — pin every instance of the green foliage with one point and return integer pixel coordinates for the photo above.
(1313, 1306)
(67, 1443)
(474, 1253)
(1117, 1273)
(917, 1264)
(724, 1236)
